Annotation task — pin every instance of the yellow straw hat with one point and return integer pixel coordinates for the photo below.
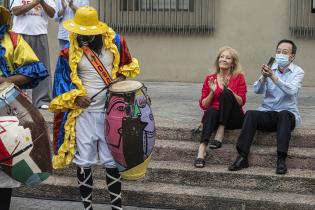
(85, 22)
(5, 16)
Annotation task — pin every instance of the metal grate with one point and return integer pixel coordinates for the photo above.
(302, 18)
(154, 16)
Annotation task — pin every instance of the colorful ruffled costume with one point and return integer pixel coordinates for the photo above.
(17, 57)
(67, 86)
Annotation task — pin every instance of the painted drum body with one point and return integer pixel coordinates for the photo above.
(25, 153)
(130, 128)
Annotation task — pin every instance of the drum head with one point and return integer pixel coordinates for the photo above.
(125, 86)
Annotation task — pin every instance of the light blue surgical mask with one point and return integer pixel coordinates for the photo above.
(282, 60)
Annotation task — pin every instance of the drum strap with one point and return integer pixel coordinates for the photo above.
(97, 64)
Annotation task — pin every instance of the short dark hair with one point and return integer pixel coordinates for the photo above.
(294, 47)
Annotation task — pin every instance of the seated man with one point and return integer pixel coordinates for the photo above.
(279, 112)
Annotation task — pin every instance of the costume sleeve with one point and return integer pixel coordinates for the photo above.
(64, 90)
(128, 65)
(242, 88)
(204, 92)
(26, 63)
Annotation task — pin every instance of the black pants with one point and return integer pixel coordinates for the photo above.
(5, 198)
(229, 114)
(283, 122)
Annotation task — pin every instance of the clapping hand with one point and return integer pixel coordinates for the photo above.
(225, 82)
(212, 84)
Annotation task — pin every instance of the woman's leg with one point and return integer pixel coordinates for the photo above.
(210, 122)
(230, 117)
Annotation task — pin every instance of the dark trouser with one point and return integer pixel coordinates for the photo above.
(5, 198)
(283, 122)
(229, 114)
(42, 93)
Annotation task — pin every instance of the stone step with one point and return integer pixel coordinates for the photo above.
(173, 196)
(254, 178)
(301, 137)
(262, 156)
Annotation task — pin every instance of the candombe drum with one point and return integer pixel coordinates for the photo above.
(25, 153)
(130, 128)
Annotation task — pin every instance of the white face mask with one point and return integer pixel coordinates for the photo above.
(282, 60)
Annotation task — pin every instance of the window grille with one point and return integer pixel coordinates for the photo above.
(153, 16)
(302, 18)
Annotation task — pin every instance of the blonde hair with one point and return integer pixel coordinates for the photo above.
(236, 66)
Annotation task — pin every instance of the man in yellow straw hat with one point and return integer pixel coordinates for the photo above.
(94, 54)
(19, 65)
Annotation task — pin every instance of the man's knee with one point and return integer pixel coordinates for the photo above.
(284, 113)
(251, 113)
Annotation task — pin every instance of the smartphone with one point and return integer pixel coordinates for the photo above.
(270, 62)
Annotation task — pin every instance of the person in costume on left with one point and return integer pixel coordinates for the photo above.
(19, 65)
(79, 100)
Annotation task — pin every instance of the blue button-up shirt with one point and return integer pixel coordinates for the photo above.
(282, 94)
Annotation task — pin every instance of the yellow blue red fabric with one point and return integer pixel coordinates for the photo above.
(17, 57)
(68, 86)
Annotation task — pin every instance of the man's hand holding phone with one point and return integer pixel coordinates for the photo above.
(266, 71)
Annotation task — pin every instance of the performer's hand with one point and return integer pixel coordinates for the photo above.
(83, 101)
(2, 79)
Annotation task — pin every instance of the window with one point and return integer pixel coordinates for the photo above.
(154, 16)
(158, 5)
(302, 18)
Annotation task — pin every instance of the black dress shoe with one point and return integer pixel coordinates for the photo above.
(239, 163)
(281, 166)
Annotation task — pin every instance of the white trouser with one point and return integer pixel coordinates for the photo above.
(91, 146)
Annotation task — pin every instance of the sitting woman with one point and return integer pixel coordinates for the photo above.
(222, 99)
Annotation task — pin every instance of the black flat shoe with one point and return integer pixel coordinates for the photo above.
(281, 166)
(239, 163)
(199, 163)
(215, 144)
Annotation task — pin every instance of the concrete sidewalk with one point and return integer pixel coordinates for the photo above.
(19, 203)
(177, 103)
